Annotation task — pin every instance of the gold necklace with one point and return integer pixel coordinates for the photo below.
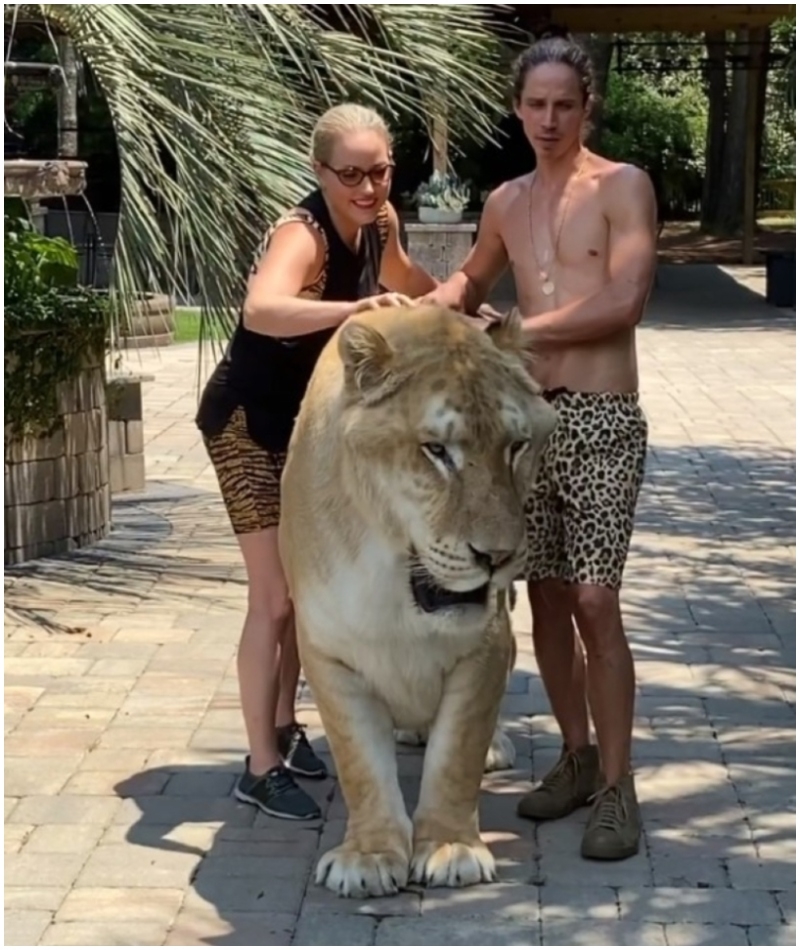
(548, 286)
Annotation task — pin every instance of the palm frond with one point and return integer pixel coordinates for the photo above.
(213, 106)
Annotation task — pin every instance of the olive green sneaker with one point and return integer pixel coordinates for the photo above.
(614, 828)
(567, 786)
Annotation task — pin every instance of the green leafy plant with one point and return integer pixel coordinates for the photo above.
(52, 326)
(443, 190)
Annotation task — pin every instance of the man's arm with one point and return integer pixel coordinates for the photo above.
(398, 271)
(632, 215)
(469, 286)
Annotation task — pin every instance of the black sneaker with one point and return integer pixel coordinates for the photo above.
(276, 793)
(297, 754)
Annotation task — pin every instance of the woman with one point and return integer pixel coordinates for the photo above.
(321, 262)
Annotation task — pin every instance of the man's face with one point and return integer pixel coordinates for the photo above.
(551, 108)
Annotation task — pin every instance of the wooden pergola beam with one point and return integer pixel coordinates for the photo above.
(653, 18)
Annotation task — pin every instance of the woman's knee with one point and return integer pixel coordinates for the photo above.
(272, 603)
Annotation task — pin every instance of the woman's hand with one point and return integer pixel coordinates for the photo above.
(383, 300)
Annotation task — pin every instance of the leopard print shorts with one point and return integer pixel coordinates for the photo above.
(580, 513)
(249, 476)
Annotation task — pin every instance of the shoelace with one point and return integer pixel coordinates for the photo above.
(279, 780)
(563, 770)
(609, 808)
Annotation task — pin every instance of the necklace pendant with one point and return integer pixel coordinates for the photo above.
(548, 288)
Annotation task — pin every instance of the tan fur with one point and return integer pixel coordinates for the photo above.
(362, 488)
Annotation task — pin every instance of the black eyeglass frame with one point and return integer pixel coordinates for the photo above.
(379, 175)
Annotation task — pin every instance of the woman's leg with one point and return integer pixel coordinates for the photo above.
(289, 677)
(268, 621)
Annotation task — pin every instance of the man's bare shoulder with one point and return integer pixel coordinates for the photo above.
(622, 182)
(505, 195)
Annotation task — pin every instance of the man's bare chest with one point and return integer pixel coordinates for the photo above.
(572, 235)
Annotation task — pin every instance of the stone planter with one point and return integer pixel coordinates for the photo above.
(56, 487)
(439, 248)
(125, 433)
(153, 323)
(438, 215)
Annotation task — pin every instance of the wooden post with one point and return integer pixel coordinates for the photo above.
(751, 152)
(440, 143)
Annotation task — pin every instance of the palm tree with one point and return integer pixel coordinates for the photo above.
(213, 105)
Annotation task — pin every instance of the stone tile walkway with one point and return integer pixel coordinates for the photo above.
(123, 736)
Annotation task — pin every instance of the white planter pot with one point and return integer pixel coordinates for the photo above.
(438, 215)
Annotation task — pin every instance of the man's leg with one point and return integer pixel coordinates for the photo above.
(559, 654)
(560, 658)
(598, 524)
(611, 683)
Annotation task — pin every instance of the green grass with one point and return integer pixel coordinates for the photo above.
(187, 324)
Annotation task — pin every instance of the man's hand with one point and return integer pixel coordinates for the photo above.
(440, 297)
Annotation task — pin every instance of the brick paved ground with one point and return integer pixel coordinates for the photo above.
(123, 736)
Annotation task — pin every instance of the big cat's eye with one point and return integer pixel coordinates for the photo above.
(438, 454)
(436, 449)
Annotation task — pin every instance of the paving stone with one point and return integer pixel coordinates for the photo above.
(400, 932)
(121, 904)
(200, 927)
(559, 901)
(15, 837)
(321, 900)
(41, 869)
(24, 928)
(316, 929)
(165, 810)
(601, 933)
(698, 905)
(105, 934)
(705, 935)
(129, 865)
(215, 893)
(34, 898)
(67, 809)
(23, 776)
(63, 839)
(198, 783)
(118, 784)
(780, 935)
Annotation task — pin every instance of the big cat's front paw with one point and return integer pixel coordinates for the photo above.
(441, 864)
(353, 873)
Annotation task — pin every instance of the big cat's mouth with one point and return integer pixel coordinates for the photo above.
(430, 597)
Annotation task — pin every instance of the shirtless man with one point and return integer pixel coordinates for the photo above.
(579, 235)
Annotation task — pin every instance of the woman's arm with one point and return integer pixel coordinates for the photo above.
(398, 271)
(293, 260)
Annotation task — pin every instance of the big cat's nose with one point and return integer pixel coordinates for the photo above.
(493, 559)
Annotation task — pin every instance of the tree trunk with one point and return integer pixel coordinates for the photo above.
(599, 46)
(762, 39)
(728, 219)
(715, 134)
(67, 100)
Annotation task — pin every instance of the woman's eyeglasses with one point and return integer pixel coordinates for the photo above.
(352, 177)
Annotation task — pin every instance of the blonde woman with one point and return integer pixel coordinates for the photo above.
(334, 254)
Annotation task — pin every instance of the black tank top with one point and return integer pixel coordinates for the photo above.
(268, 376)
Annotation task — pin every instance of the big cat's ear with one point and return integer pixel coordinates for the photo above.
(368, 360)
(506, 333)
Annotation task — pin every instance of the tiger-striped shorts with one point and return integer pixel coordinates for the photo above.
(249, 476)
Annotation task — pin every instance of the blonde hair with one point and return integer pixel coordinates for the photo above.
(347, 117)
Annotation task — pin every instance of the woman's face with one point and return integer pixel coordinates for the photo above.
(348, 188)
